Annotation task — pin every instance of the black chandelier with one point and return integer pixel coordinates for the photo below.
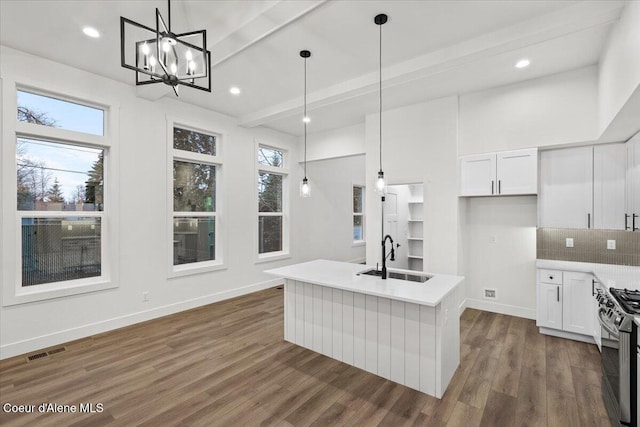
(161, 56)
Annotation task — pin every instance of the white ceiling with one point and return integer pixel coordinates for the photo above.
(430, 48)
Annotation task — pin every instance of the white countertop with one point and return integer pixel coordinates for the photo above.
(611, 276)
(343, 275)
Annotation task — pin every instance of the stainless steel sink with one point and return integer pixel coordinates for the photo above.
(420, 278)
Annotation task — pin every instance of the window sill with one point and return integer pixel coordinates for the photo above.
(359, 243)
(274, 256)
(195, 268)
(50, 291)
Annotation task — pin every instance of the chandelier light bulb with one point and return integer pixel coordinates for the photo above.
(165, 46)
(145, 49)
(189, 55)
(174, 68)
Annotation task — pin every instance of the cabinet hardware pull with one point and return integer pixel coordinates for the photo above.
(499, 187)
(492, 184)
(626, 221)
(558, 293)
(633, 222)
(593, 287)
(588, 220)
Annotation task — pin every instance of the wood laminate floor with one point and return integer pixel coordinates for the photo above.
(226, 364)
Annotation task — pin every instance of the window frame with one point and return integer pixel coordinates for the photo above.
(12, 230)
(363, 241)
(284, 172)
(216, 160)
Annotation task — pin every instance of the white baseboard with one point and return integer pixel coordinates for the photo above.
(57, 338)
(463, 306)
(568, 335)
(494, 307)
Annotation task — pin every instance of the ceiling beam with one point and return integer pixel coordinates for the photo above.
(566, 21)
(274, 19)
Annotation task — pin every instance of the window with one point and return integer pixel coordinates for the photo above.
(358, 214)
(47, 111)
(195, 221)
(272, 203)
(61, 197)
(59, 179)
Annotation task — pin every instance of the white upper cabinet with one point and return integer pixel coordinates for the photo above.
(587, 187)
(502, 173)
(478, 175)
(632, 199)
(609, 170)
(566, 188)
(518, 172)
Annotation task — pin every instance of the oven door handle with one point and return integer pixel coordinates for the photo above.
(613, 332)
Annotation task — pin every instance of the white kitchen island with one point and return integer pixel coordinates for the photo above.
(404, 331)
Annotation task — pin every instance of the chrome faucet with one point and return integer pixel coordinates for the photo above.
(385, 255)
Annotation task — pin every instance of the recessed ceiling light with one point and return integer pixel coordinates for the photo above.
(91, 32)
(523, 63)
(234, 90)
(306, 119)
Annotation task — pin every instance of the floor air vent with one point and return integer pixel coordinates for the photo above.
(37, 356)
(45, 354)
(56, 350)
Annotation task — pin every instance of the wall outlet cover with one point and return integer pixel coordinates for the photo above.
(611, 244)
(569, 242)
(490, 293)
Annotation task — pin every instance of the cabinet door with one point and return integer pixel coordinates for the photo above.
(478, 175)
(577, 294)
(609, 170)
(549, 306)
(566, 188)
(633, 180)
(517, 172)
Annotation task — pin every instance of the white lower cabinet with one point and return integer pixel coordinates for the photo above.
(577, 292)
(549, 306)
(565, 301)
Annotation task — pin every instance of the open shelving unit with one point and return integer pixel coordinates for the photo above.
(415, 237)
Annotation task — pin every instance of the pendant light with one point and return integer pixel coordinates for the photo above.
(305, 189)
(380, 20)
(158, 55)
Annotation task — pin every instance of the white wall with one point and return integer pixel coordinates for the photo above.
(347, 141)
(553, 110)
(620, 65)
(500, 244)
(143, 214)
(325, 220)
(419, 146)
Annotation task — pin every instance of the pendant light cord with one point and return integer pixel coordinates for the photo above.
(380, 94)
(305, 117)
(169, 19)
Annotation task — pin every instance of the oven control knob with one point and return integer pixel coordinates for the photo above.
(609, 304)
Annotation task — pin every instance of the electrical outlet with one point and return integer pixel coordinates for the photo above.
(611, 244)
(490, 293)
(145, 296)
(569, 242)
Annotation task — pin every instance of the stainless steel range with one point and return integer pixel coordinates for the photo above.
(619, 368)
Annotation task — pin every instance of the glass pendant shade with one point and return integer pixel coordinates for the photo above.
(305, 188)
(380, 184)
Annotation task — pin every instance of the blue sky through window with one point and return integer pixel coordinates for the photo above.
(67, 115)
(69, 164)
